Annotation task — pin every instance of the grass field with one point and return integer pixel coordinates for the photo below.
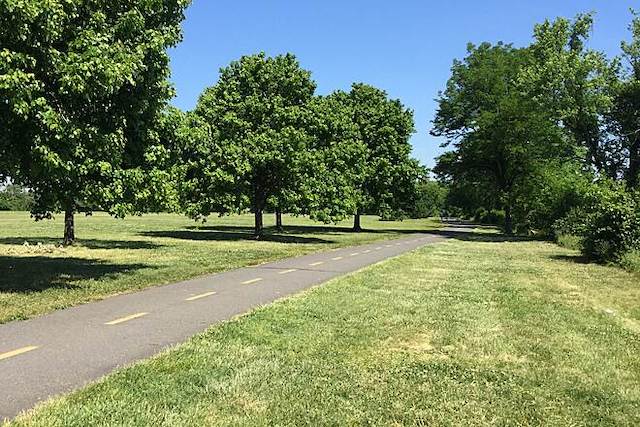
(474, 331)
(114, 256)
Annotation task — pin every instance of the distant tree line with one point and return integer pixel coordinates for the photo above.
(87, 126)
(15, 198)
(549, 136)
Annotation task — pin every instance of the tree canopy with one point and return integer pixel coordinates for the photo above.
(81, 84)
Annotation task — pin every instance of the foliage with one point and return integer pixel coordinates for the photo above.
(431, 199)
(81, 83)
(613, 224)
(550, 195)
(625, 114)
(491, 217)
(336, 160)
(608, 222)
(499, 137)
(390, 174)
(631, 261)
(15, 198)
(257, 144)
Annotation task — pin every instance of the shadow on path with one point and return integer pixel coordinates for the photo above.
(36, 274)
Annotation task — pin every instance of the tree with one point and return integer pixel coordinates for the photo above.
(336, 160)
(499, 136)
(572, 83)
(81, 84)
(256, 115)
(625, 113)
(385, 127)
(431, 200)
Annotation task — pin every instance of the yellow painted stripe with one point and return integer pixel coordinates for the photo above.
(355, 254)
(17, 352)
(387, 246)
(256, 280)
(196, 297)
(313, 264)
(126, 319)
(288, 271)
(338, 258)
(379, 248)
(367, 251)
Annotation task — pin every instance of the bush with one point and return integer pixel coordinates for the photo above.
(431, 199)
(608, 224)
(492, 217)
(550, 197)
(631, 261)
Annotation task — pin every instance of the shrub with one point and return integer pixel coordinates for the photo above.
(631, 261)
(492, 217)
(608, 223)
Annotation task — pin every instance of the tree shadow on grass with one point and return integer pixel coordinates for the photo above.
(471, 236)
(85, 243)
(229, 233)
(576, 259)
(37, 274)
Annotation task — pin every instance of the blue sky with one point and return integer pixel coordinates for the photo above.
(405, 47)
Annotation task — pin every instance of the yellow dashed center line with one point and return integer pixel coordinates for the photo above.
(367, 251)
(196, 297)
(338, 258)
(17, 352)
(379, 248)
(355, 254)
(288, 271)
(256, 280)
(387, 246)
(126, 319)
(313, 264)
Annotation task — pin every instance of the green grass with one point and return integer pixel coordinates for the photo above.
(478, 331)
(115, 256)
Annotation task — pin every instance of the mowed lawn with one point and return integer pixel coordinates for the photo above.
(112, 256)
(474, 331)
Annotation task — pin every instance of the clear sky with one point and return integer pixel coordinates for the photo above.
(405, 47)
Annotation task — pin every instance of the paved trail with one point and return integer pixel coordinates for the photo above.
(64, 350)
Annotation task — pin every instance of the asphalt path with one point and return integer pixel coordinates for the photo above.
(64, 350)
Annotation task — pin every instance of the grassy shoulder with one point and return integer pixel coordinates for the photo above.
(115, 256)
(477, 331)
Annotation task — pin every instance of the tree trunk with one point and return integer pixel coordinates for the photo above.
(633, 174)
(356, 222)
(259, 226)
(508, 219)
(69, 228)
(279, 226)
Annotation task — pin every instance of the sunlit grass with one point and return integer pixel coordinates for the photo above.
(461, 333)
(112, 256)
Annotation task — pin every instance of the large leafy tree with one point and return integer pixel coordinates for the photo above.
(336, 160)
(499, 137)
(256, 115)
(385, 126)
(625, 113)
(81, 82)
(572, 83)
